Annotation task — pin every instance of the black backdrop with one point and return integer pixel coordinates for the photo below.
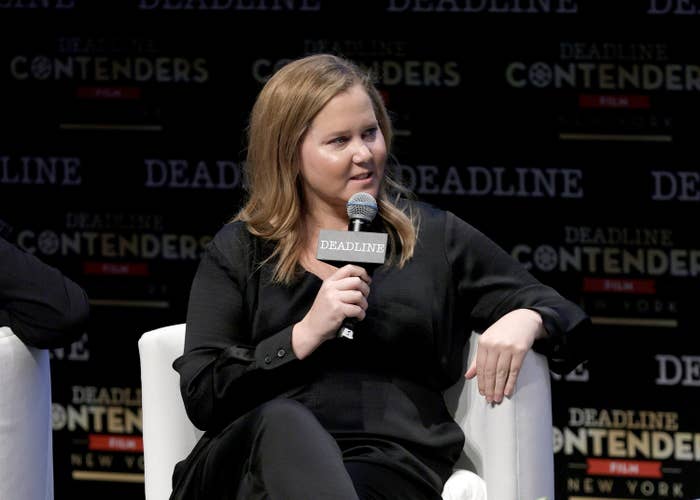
(564, 129)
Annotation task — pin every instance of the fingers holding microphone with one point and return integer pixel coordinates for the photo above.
(352, 290)
(342, 295)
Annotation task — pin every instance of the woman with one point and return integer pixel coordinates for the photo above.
(290, 410)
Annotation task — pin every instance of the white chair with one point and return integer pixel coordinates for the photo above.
(26, 455)
(509, 446)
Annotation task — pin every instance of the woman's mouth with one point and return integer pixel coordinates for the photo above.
(361, 177)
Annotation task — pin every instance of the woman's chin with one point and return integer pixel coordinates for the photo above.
(364, 187)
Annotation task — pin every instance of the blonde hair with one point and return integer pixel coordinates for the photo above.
(280, 117)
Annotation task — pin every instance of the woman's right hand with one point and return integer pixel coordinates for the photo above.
(342, 295)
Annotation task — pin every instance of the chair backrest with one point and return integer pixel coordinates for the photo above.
(508, 445)
(26, 454)
(168, 434)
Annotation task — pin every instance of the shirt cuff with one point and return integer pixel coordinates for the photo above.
(276, 350)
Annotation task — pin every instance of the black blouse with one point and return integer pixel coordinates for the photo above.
(380, 394)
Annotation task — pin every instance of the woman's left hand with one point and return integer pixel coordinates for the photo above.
(501, 351)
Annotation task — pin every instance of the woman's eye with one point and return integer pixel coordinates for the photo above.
(339, 140)
(371, 133)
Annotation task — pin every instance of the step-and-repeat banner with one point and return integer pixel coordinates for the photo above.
(564, 129)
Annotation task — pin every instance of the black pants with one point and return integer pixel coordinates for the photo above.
(281, 452)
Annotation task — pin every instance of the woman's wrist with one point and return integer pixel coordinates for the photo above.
(538, 322)
(302, 345)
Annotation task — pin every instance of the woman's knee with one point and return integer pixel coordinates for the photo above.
(287, 428)
(287, 415)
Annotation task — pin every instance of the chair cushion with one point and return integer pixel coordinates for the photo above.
(464, 485)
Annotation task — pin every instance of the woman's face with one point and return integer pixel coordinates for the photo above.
(343, 152)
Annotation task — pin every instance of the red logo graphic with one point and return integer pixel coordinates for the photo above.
(614, 101)
(628, 468)
(115, 442)
(639, 286)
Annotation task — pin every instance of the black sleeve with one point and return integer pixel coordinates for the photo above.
(43, 308)
(493, 284)
(223, 372)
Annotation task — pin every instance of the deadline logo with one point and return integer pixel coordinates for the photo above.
(492, 181)
(108, 68)
(106, 424)
(615, 81)
(606, 66)
(626, 452)
(38, 4)
(485, 6)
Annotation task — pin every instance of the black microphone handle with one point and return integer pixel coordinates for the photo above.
(347, 329)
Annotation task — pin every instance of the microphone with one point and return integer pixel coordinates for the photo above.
(354, 246)
(362, 209)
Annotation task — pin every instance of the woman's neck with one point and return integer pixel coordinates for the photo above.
(312, 226)
(315, 220)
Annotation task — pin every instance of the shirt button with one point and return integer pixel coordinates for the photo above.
(281, 353)
(268, 359)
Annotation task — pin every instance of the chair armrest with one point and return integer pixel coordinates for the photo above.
(168, 434)
(509, 444)
(26, 455)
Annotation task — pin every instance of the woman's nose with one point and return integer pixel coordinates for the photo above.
(362, 153)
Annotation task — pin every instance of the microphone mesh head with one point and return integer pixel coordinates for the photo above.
(362, 206)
